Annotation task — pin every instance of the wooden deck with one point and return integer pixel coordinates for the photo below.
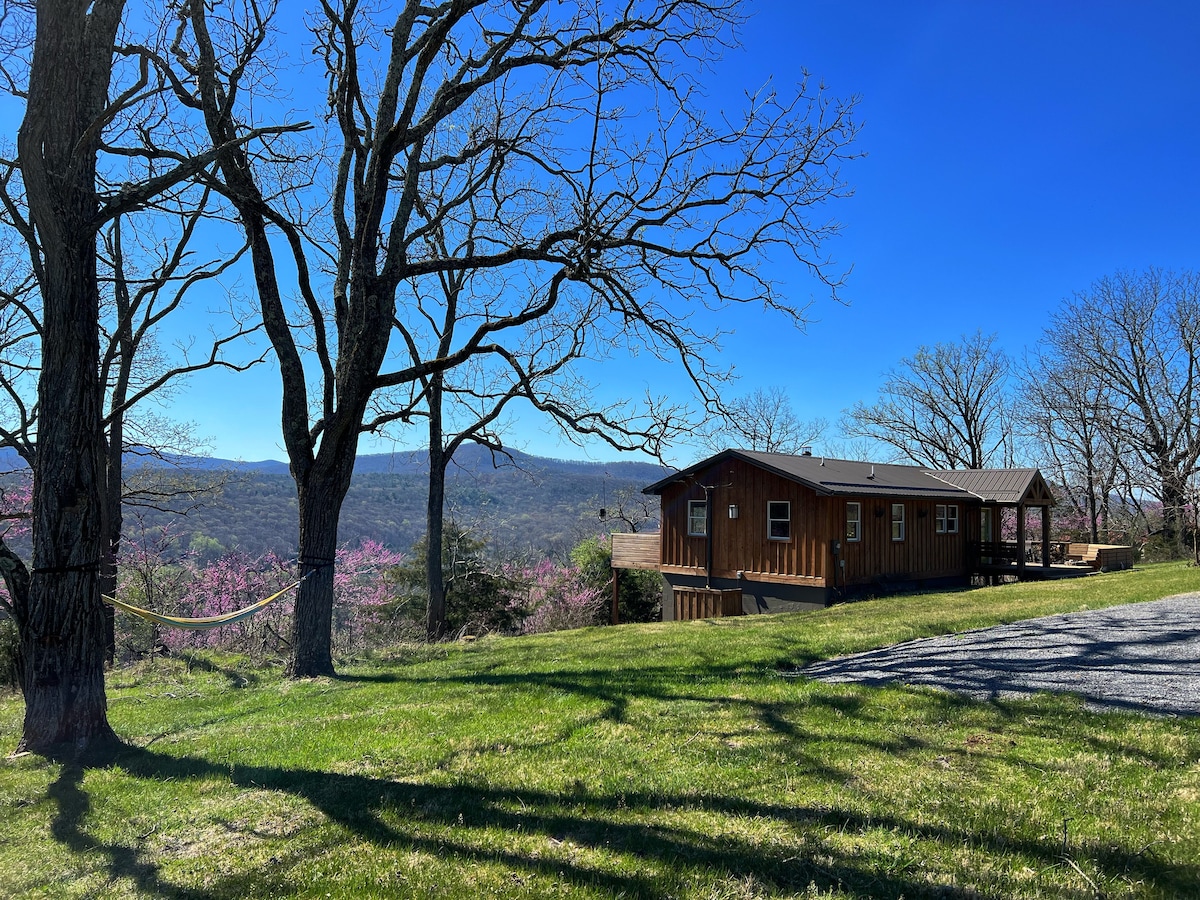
(1034, 571)
(1066, 560)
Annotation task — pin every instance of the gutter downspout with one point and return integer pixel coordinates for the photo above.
(708, 535)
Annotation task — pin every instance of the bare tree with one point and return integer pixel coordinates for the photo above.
(764, 420)
(134, 368)
(73, 113)
(531, 361)
(640, 228)
(1136, 336)
(1066, 416)
(139, 293)
(945, 406)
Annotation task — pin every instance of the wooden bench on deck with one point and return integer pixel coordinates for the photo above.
(1106, 557)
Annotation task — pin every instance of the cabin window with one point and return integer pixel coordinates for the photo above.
(897, 521)
(854, 521)
(697, 518)
(947, 519)
(779, 520)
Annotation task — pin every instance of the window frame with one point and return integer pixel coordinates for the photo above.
(774, 520)
(857, 522)
(898, 534)
(947, 518)
(692, 506)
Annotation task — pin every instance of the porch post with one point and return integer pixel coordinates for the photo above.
(1020, 538)
(1046, 537)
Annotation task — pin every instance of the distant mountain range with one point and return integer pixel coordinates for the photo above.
(529, 505)
(469, 458)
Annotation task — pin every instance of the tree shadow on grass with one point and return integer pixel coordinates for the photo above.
(235, 678)
(446, 821)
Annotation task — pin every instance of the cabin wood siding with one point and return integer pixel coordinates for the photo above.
(743, 544)
(922, 554)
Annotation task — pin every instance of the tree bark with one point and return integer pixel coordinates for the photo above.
(62, 629)
(435, 576)
(320, 494)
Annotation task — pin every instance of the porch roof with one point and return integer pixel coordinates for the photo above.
(1001, 487)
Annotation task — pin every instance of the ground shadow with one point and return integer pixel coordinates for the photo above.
(369, 809)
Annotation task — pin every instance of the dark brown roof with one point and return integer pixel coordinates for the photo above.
(1003, 486)
(854, 478)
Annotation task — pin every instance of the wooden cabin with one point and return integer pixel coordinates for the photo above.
(787, 532)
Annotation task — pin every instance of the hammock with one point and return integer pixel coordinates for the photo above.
(202, 622)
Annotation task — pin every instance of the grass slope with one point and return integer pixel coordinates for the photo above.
(655, 761)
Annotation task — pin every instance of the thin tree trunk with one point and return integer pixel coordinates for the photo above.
(435, 576)
(1093, 514)
(113, 522)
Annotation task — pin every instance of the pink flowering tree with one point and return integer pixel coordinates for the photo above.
(231, 582)
(157, 575)
(15, 503)
(553, 597)
(15, 499)
(364, 594)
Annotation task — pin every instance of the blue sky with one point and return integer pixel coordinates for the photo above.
(1016, 152)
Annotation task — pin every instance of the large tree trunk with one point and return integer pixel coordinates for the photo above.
(1174, 500)
(320, 495)
(62, 629)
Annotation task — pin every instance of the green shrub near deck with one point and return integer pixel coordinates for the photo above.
(666, 760)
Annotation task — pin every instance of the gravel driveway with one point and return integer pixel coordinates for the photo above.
(1144, 657)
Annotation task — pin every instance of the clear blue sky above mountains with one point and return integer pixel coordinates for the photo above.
(1016, 153)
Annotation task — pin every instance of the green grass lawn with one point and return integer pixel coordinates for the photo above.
(658, 761)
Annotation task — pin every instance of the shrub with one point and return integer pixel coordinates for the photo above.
(639, 592)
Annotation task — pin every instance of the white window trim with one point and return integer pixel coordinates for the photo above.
(692, 504)
(771, 521)
(900, 521)
(857, 520)
(947, 518)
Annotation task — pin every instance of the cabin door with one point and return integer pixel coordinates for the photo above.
(985, 531)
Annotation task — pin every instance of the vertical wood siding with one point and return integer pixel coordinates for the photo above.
(743, 544)
(922, 554)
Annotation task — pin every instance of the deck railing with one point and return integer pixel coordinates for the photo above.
(636, 551)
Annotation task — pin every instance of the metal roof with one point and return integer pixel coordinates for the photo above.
(1002, 486)
(848, 477)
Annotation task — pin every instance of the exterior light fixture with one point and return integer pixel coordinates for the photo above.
(733, 511)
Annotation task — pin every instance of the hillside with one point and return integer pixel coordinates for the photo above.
(533, 504)
(676, 760)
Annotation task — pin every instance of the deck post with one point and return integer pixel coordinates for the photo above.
(616, 596)
(1045, 537)
(1020, 539)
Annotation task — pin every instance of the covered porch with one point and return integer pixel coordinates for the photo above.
(1029, 556)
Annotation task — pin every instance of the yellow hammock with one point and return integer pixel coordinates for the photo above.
(202, 622)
